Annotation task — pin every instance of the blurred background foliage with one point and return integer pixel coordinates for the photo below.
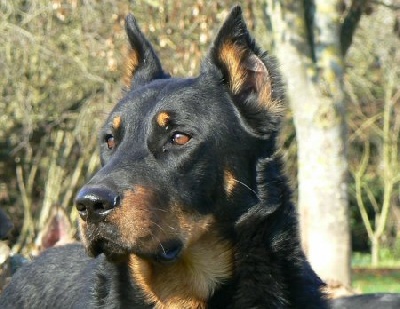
(62, 63)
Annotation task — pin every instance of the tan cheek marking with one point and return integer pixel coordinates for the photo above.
(229, 182)
(134, 218)
(116, 123)
(163, 119)
(190, 281)
(142, 220)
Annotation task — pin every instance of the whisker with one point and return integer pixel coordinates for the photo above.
(163, 249)
(158, 240)
(159, 226)
(160, 209)
(247, 187)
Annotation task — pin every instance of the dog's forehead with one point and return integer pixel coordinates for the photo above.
(184, 96)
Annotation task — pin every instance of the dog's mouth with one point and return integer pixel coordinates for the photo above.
(169, 252)
(165, 252)
(112, 251)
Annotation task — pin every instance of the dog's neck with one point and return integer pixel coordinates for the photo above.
(191, 280)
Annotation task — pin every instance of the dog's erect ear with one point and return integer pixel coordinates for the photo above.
(143, 64)
(249, 73)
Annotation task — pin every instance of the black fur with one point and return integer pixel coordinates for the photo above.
(228, 130)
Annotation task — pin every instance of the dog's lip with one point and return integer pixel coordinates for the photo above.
(109, 248)
(169, 252)
(166, 252)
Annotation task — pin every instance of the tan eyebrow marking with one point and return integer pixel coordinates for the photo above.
(116, 123)
(163, 119)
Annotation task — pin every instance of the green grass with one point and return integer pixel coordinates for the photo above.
(375, 281)
(363, 260)
(383, 278)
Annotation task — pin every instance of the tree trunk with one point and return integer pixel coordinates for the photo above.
(375, 247)
(307, 45)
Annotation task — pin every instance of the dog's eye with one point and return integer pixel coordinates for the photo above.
(109, 139)
(180, 138)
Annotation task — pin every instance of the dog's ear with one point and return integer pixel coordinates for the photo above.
(249, 74)
(143, 65)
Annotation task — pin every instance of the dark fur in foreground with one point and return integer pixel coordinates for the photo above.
(190, 208)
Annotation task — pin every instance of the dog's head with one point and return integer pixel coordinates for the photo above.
(179, 157)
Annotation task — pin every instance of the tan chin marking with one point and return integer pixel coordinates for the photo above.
(187, 283)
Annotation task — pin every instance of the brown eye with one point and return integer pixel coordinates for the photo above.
(109, 139)
(180, 138)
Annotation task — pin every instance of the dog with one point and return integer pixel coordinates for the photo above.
(190, 208)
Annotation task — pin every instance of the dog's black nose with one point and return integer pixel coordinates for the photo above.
(94, 203)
